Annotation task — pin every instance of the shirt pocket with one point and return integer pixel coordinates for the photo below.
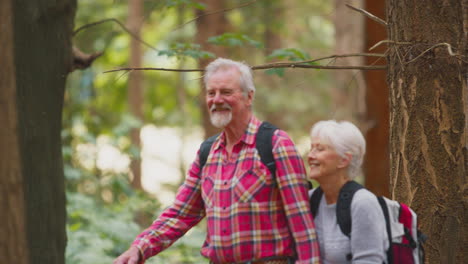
(207, 187)
(253, 185)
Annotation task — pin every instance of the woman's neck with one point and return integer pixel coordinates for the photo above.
(331, 188)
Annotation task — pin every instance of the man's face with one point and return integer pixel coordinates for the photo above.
(225, 99)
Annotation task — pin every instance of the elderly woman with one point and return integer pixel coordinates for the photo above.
(335, 157)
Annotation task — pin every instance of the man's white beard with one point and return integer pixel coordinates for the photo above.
(220, 120)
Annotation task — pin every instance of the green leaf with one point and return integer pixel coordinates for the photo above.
(187, 3)
(186, 50)
(234, 39)
(291, 54)
(275, 71)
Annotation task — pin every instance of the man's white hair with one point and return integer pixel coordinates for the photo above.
(344, 137)
(245, 78)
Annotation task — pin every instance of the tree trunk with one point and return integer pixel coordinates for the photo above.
(273, 24)
(13, 228)
(348, 91)
(273, 40)
(428, 120)
(376, 164)
(209, 25)
(35, 47)
(135, 84)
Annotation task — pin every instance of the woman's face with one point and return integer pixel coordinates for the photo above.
(323, 160)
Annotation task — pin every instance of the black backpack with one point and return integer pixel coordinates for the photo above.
(263, 144)
(409, 247)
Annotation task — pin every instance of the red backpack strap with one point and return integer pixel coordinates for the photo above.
(406, 219)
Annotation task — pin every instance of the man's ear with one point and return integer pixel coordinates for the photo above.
(250, 97)
(345, 161)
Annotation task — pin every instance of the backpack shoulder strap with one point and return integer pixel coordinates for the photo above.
(264, 145)
(343, 206)
(315, 201)
(205, 148)
(386, 214)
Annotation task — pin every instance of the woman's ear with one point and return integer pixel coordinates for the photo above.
(345, 161)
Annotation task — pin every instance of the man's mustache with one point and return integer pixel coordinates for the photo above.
(224, 106)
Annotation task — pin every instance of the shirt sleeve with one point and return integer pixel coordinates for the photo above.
(368, 233)
(186, 211)
(292, 184)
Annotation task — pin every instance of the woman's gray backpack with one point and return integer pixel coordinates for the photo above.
(405, 238)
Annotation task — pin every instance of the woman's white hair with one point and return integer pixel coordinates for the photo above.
(245, 78)
(344, 137)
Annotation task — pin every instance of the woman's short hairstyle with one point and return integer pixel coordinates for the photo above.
(245, 78)
(344, 137)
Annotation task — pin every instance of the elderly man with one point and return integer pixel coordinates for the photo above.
(252, 216)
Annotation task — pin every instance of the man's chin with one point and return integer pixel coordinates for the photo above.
(219, 124)
(220, 121)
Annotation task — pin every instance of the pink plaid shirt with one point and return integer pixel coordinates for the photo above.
(251, 214)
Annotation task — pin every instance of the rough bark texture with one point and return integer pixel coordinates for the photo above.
(376, 163)
(35, 48)
(428, 130)
(209, 25)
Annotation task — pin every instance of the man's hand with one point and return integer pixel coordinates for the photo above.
(131, 256)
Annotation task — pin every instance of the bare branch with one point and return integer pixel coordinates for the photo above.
(262, 67)
(154, 69)
(389, 41)
(120, 24)
(294, 65)
(82, 60)
(369, 15)
(297, 64)
(449, 50)
(338, 56)
(215, 12)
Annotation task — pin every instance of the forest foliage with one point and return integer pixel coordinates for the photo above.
(104, 212)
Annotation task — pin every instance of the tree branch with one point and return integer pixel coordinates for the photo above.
(389, 41)
(82, 60)
(336, 56)
(294, 65)
(298, 64)
(260, 67)
(449, 50)
(369, 15)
